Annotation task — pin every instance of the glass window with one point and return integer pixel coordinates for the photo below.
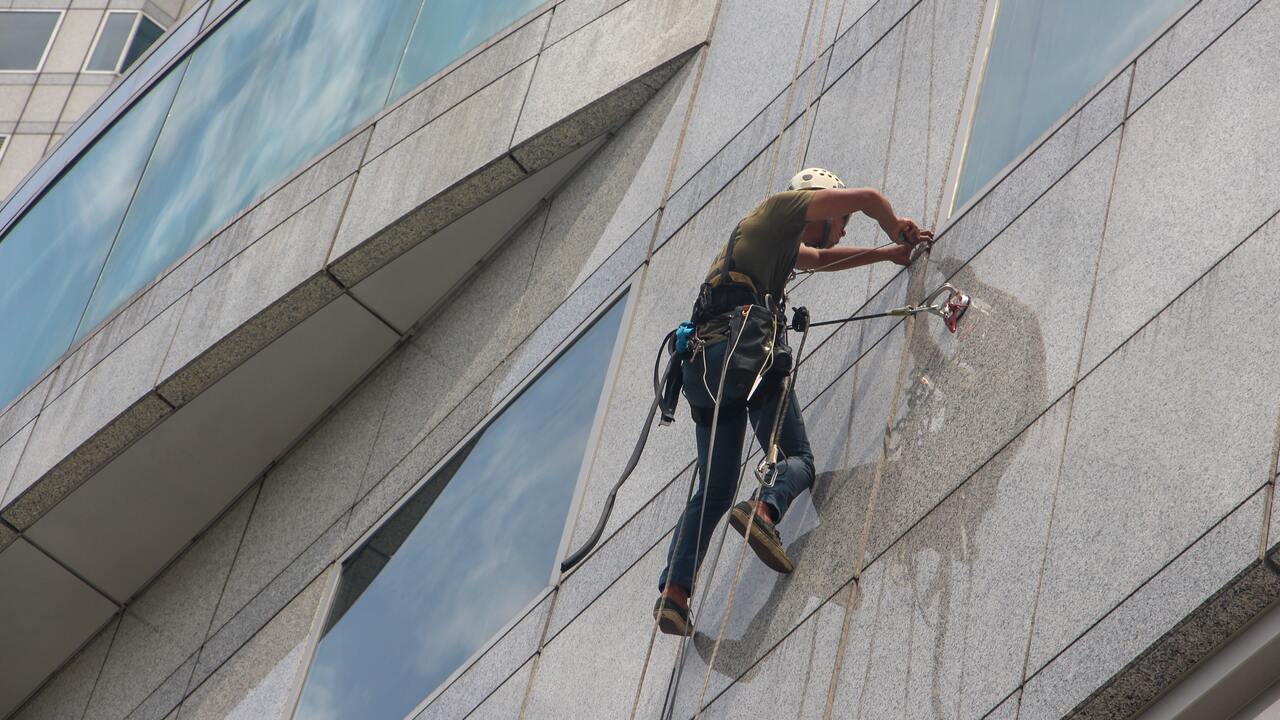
(116, 28)
(464, 555)
(24, 38)
(277, 83)
(118, 34)
(148, 32)
(1045, 55)
(447, 29)
(51, 257)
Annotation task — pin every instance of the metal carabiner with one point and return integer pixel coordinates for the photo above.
(766, 472)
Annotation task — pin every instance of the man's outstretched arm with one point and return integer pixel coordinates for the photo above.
(843, 258)
(836, 203)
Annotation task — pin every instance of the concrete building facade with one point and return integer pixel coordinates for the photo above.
(75, 51)
(324, 395)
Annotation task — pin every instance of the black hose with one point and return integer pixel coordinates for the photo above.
(581, 552)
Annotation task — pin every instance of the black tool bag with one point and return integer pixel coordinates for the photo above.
(753, 345)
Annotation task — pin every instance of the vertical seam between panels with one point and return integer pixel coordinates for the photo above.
(124, 217)
(223, 591)
(346, 203)
(528, 90)
(88, 701)
(395, 76)
(955, 128)
(1071, 402)
(1265, 538)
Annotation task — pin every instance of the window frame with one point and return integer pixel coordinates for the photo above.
(48, 46)
(621, 294)
(4, 145)
(128, 41)
(980, 57)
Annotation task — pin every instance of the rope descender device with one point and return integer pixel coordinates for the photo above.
(951, 309)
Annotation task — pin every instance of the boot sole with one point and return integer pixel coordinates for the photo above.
(769, 552)
(670, 623)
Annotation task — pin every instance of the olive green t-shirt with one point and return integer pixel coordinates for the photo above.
(765, 245)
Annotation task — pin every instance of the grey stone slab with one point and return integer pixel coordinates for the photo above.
(752, 146)
(25, 408)
(861, 31)
(258, 681)
(870, 623)
(1007, 710)
(415, 406)
(471, 76)
(163, 629)
(853, 127)
(10, 453)
(937, 69)
(492, 670)
(821, 533)
(966, 395)
(605, 114)
(1193, 141)
(612, 633)
(966, 579)
(285, 201)
(1148, 470)
(396, 204)
(659, 31)
(617, 553)
(981, 218)
(1203, 23)
(507, 700)
(384, 492)
(100, 415)
(572, 15)
(603, 204)
(227, 639)
(66, 693)
(751, 64)
(260, 294)
(476, 329)
(164, 701)
(304, 494)
(793, 679)
(123, 324)
(618, 269)
(1172, 620)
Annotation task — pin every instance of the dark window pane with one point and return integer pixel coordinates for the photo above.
(148, 32)
(24, 35)
(471, 549)
(1045, 55)
(115, 33)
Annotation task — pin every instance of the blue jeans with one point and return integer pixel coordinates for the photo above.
(716, 487)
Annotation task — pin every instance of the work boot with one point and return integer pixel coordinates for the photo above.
(673, 619)
(764, 539)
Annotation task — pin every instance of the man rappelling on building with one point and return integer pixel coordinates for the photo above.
(737, 368)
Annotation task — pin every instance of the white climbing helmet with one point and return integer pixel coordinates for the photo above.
(814, 179)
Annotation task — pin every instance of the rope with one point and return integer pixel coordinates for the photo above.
(787, 385)
(702, 512)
